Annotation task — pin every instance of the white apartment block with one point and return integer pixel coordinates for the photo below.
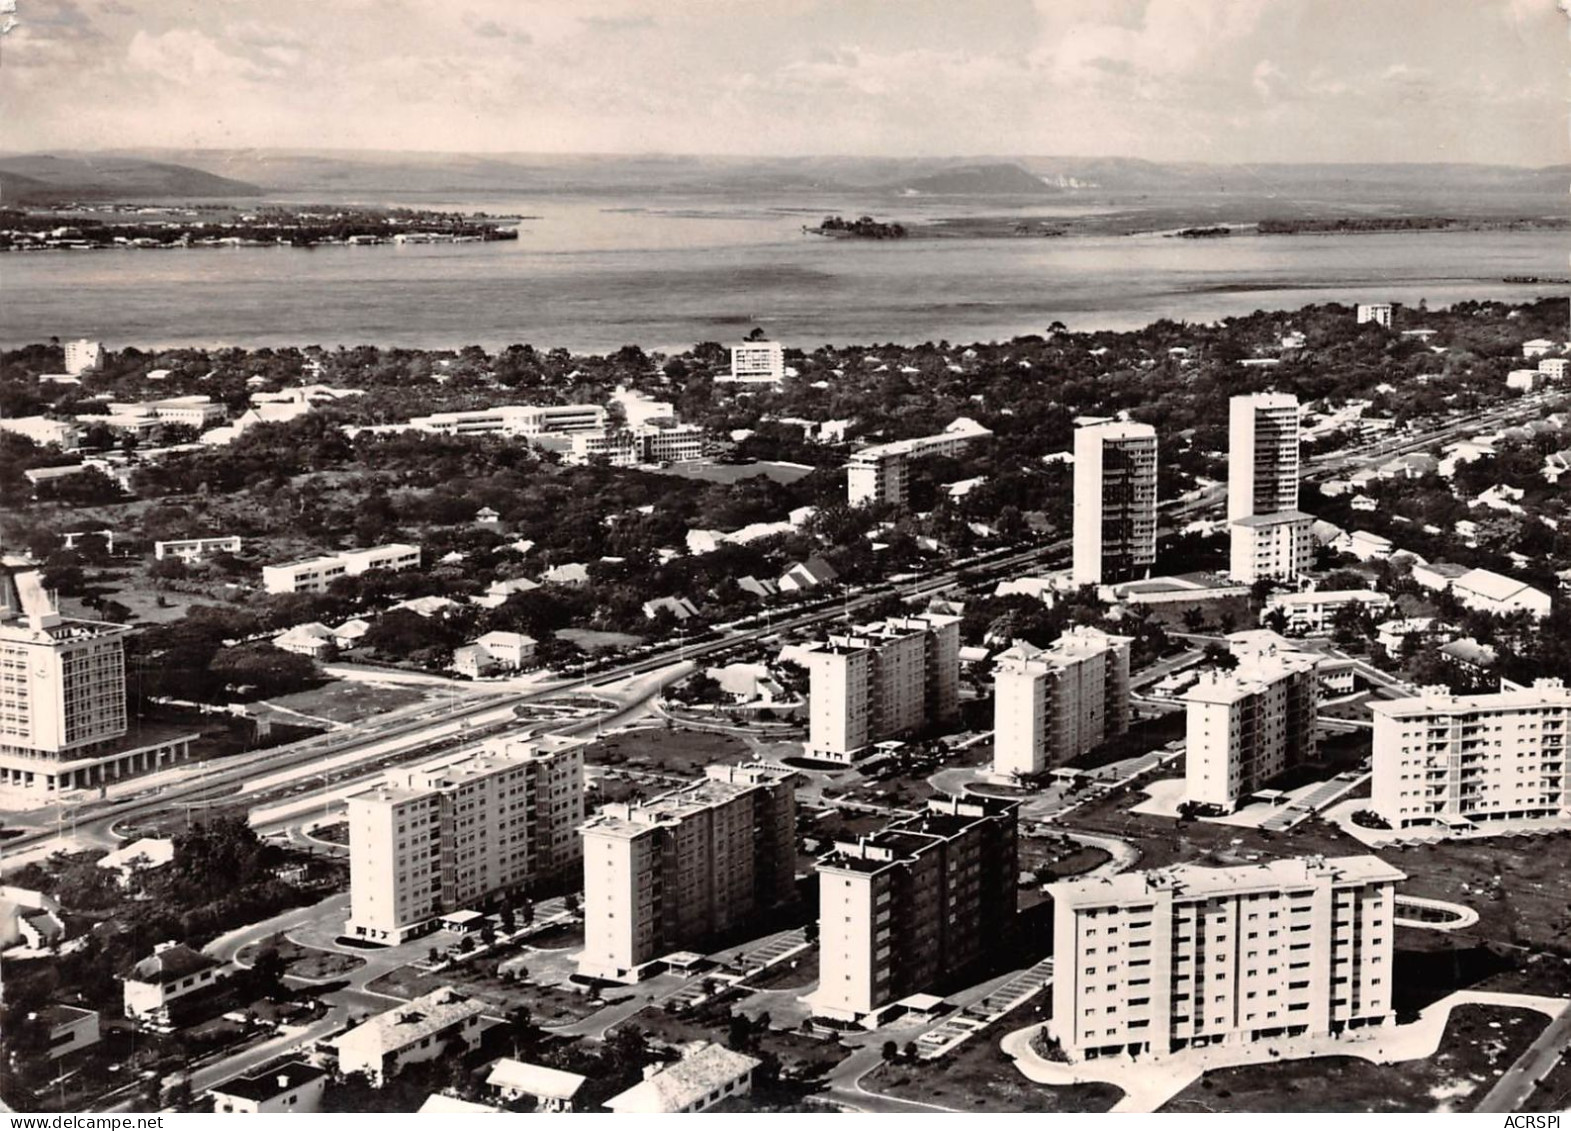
(906, 907)
(1051, 705)
(881, 681)
(83, 355)
(662, 874)
(63, 721)
(1270, 536)
(1448, 760)
(1114, 502)
(877, 475)
(314, 575)
(195, 549)
(668, 442)
(1185, 957)
(756, 363)
(1314, 611)
(515, 420)
(1248, 726)
(1277, 546)
(444, 837)
(1374, 312)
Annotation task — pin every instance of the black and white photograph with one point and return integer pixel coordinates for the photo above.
(869, 557)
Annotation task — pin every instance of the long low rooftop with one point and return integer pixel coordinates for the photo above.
(1440, 700)
(1191, 881)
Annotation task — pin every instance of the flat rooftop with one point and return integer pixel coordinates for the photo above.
(1191, 881)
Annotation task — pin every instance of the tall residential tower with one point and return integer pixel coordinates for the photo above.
(1270, 535)
(1053, 704)
(1115, 501)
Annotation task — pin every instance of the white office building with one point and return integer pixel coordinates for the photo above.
(1185, 957)
(444, 837)
(515, 420)
(1249, 725)
(882, 681)
(83, 355)
(756, 363)
(1374, 312)
(1270, 535)
(1053, 704)
(1451, 760)
(1115, 501)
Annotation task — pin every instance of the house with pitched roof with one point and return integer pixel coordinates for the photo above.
(172, 972)
(705, 1075)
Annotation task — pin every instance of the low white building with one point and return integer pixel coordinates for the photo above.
(69, 1028)
(289, 1089)
(418, 1031)
(315, 640)
(1537, 347)
(1364, 545)
(1315, 610)
(173, 971)
(195, 549)
(314, 575)
(704, 1076)
(494, 652)
(1490, 592)
(550, 1088)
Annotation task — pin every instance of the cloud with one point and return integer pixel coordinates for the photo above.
(1264, 74)
(187, 58)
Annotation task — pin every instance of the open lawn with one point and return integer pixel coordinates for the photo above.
(1479, 1043)
(979, 1077)
(592, 641)
(348, 701)
(683, 751)
(303, 961)
(708, 472)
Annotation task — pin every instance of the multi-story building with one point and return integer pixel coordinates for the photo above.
(1054, 704)
(417, 1031)
(1115, 501)
(1270, 535)
(65, 434)
(1443, 759)
(662, 874)
(515, 420)
(314, 575)
(924, 899)
(756, 363)
(1185, 957)
(668, 442)
(63, 722)
(882, 681)
(877, 475)
(199, 412)
(294, 1088)
(1374, 312)
(1249, 725)
(443, 837)
(83, 355)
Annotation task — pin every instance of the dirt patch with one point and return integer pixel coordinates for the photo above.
(1479, 1041)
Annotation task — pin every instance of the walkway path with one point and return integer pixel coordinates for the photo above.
(1150, 1082)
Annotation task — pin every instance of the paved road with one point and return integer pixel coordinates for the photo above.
(1512, 1089)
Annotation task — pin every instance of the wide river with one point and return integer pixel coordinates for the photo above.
(593, 275)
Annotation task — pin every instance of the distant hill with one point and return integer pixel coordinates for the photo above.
(41, 178)
(977, 180)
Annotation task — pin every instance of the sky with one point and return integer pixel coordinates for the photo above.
(1165, 80)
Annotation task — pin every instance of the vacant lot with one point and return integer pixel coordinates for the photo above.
(681, 751)
(1479, 1042)
(348, 701)
(979, 1077)
(592, 641)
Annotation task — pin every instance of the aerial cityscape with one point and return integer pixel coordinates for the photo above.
(584, 593)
